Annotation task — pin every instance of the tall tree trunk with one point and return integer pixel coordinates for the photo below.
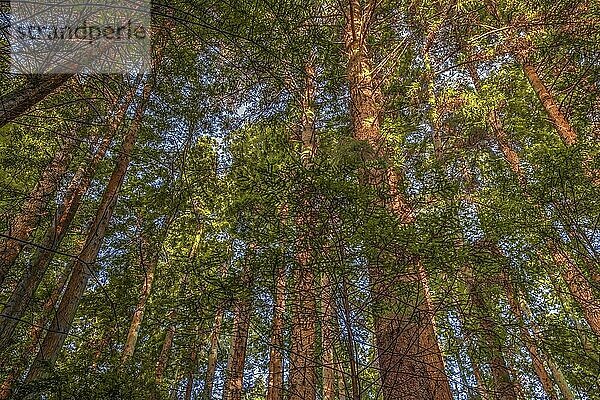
(275, 377)
(213, 350)
(557, 374)
(35, 335)
(537, 357)
(402, 363)
(565, 390)
(149, 258)
(237, 357)
(23, 225)
(579, 287)
(149, 266)
(21, 296)
(504, 387)
(303, 368)
(430, 348)
(565, 129)
(22, 99)
(82, 267)
(354, 378)
(481, 388)
(211, 367)
(327, 337)
(558, 119)
(493, 119)
(165, 351)
(303, 379)
(192, 368)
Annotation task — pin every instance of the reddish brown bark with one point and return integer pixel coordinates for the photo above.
(237, 357)
(428, 341)
(191, 370)
(23, 225)
(28, 284)
(83, 266)
(493, 119)
(403, 362)
(303, 378)
(558, 119)
(22, 99)
(78, 187)
(303, 366)
(579, 286)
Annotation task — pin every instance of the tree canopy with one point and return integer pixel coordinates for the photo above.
(361, 199)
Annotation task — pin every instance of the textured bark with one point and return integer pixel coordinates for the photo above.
(303, 376)
(21, 296)
(275, 377)
(409, 354)
(565, 129)
(23, 225)
(558, 119)
(403, 362)
(428, 341)
(509, 153)
(83, 266)
(580, 288)
(303, 366)
(237, 357)
(35, 89)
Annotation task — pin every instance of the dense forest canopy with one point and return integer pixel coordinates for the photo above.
(349, 200)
